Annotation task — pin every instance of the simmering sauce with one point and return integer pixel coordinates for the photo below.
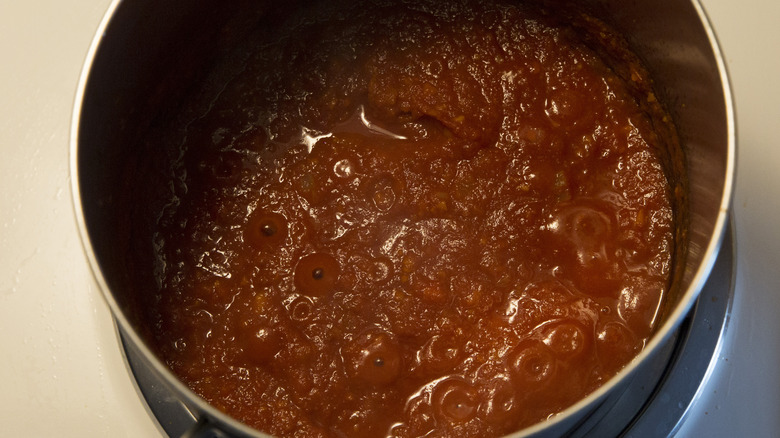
(410, 219)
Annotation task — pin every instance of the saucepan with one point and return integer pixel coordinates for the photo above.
(147, 53)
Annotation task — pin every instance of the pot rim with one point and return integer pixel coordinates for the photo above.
(201, 409)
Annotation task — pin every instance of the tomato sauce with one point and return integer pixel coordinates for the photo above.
(414, 219)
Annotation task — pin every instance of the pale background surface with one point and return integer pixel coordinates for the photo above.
(61, 370)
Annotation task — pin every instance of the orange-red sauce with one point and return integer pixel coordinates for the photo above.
(435, 216)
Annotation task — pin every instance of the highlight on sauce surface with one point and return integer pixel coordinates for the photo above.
(410, 219)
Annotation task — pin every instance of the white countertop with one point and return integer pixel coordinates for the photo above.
(61, 370)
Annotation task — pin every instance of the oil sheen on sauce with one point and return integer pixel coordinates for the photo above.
(410, 219)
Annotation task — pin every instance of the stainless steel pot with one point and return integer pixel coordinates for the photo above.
(146, 52)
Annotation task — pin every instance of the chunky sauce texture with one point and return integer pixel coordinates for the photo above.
(414, 219)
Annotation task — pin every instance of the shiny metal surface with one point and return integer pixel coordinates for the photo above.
(140, 42)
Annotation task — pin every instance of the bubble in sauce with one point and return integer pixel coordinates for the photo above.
(265, 230)
(383, 192)
(455, 400)
(585, 233)
(301, 309)
(343, 168)
(373, 358)
(567, 339)
(316, 274)
(532, 363)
